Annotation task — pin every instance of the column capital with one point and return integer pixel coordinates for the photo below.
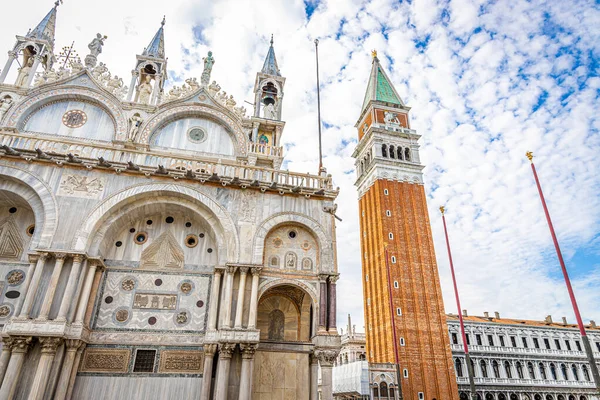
(73, 344)
(231, 269)
(50, 344)
(60, 256)
(210, 349)
(12, 54)
(323, 278)
(226, 350)
(43, 256)
(20, 344)
(248, 350)
(78, 258)
(7, 342)
(326, 357)
(244, 270)
(334, 278)
(220, 270)
(256, 270)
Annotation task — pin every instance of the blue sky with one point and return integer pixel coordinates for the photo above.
(486, 80)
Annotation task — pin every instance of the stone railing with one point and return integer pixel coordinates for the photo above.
(517, 350)
(96, 155)
(525, 382)
(272, 151)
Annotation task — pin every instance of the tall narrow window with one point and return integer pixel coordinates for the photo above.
(542, 370)
(392, 152)
(513, 341)
(598, 346)
(507, 370)
(385, 192)
(553, 372)
(402, 343)
(575, 372)
(568, 344)
(524, 339)
(398, 311)
(578, 345)
(501, 340)
(536, 343)
(484, 371)
(496, 369)
(531, 370)
(563, 369)
(557, 343)
(393, 260)
(388, 213)
(454, 338)
(478, 339)
(468, 339)
(458, 366)
(391, 235)
(405, 373)
(396, 285)
(547, 344)
(407, 154)
(519, 369)
(490, 340)
(400, 155)
(586, 373)
(384, 150)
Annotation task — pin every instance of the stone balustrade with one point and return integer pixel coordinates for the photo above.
(91, 154)
(519, 350)
(265, 149)
(526, 382)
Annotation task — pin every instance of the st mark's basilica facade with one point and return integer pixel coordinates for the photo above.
(151, 246)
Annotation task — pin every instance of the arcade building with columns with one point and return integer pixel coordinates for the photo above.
(151, 246)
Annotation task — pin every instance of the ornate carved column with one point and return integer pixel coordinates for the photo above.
(40, 380)
(7, 343)
(67, 299)
(248, 351)
(255, 127)
(65, 374)
(314, 377)
(323, 301)
(35, 282)
(326, 359)
(209, 356)
(214, 304)
(36, 63)
(332, 302)
(225, 353)
(32, 263)
(12, 56)
(85, 292)
(20, 346)
(239, 309)
(47, 303)
(226, 310)
(74, 371)
(132, 85)
(254, 297)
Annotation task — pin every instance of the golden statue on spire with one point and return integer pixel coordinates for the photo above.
(529, 155)
(442, 209)
(374, 53)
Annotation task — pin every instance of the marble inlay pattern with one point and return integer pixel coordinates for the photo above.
(172, 309)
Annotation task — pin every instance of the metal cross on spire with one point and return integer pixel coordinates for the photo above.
(68, 55)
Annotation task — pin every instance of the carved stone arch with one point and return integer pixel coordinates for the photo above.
(314, 227)
(22, 45)
(265, 286)
(219, 114)
(18, 114)
(96, 223)
(277, 85)
(39, 197)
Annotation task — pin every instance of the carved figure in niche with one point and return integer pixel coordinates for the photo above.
(155, 302)
(391, 118)
(274, 262)
(214, 88)
(24, 73)
(276, 325)
(5, 104)
(209, 61)
(182, 317)
(307, 263)
(269, 112)
(144, 91)
(291, 260)
(96, 45)
(134, 127)
(140, 301)
(263, 139)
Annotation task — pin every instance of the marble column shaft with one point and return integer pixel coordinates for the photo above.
(323, 301)
(67, 299)
(209, 356)
(226, 322)
(12, 56)
(214, 308)
(132, 85)
(156, 89)
(326, 381)
(40, 380)
(67, 367)
(314, 378)
(33, 286)
(49, 296)
(225, 353)
(332, 302)
(85, 293)
(248, 351)
(25, 287)
(5, 356)
(74, 372)
(239, 309)
(254, 298)
(13, 371)
(36, 63)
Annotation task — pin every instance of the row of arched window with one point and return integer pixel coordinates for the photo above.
(524, 396)
(506, 369)
(395, 152)
(383, 391)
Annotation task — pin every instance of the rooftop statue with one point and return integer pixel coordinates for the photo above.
(209, 61)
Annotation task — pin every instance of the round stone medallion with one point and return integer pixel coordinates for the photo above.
(128, 284)
(15, 277)
(186, 287)
(74, 119)
(196, 134)
(122, 315)
(182, 317)
(4, 311)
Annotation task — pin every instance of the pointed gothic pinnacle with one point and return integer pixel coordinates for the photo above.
(529, 155)
(442, 209)
(271, 40)
(57, 3)
(164, 20)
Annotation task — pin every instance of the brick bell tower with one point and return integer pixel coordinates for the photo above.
(404, 309)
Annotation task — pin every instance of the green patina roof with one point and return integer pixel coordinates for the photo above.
(380, 87)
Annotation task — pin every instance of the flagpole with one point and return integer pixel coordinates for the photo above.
(584, 337)
(460, 316)
(319, 107)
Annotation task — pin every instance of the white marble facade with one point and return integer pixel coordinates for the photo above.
(137, 240)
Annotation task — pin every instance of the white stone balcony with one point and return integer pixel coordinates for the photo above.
(265, 149)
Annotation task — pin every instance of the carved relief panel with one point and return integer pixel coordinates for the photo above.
(291, 248)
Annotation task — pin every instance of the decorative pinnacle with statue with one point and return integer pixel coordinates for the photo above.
(209, 61)
(95, 49)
